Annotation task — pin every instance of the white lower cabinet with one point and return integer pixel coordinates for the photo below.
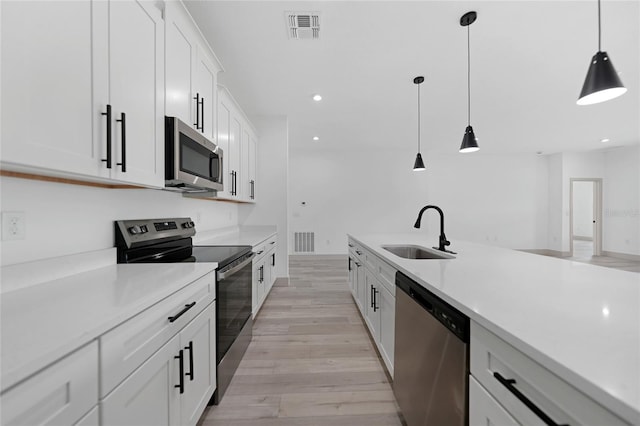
(61, 394)
(527, 391)
(484, 410)
(148, 396)
(173, 386)
(372, 283)
(264, 272)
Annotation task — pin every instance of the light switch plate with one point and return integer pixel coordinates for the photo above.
(14, 226)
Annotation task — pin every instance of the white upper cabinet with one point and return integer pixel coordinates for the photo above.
(68, 81)
(237, 138)
(136, 91)
(191, 72)
(46, 87)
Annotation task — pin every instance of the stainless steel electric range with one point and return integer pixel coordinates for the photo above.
(169, 241)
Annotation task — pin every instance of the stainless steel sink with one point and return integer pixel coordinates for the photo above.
(416, 252)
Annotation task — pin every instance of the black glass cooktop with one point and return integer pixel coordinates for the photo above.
(220, 254)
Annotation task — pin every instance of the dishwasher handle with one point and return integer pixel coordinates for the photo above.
(426, 305)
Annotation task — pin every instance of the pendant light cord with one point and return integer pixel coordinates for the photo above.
(419, 118)
(599, 29)
(469, 76)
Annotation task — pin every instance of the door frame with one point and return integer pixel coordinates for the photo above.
(597, 214)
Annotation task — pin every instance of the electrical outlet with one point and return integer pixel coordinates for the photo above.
(13, 226)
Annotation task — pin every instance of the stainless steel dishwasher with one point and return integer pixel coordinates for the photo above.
(431, 357)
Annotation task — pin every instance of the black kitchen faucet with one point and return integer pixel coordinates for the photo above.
(443, 242)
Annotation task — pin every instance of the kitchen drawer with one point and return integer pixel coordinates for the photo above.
(127, 346)
(386, 273)
(484, 410)
(261, 249)
(560, 401)
(60, 394)
(358, 252)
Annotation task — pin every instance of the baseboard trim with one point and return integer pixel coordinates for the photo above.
(318, 256)
(625, 256)
(547, 252)
(579, 238)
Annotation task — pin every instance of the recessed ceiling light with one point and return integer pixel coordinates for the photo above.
(315, 138)
(317, 98)
(605, 140)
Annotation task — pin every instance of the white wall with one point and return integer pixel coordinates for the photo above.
(500, 200)
(621, 200)
(66, 219)
(583, 210)
(271, 184)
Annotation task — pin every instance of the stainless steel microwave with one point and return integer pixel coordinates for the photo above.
(192, 162)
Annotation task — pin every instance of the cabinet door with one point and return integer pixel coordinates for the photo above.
(224, 128)
(235, 152)
(180, 57)
(46, 107)
(372, 307)
(198, 342)
(361, 288)
(205, 82)
(387, 303)
(484, 410)
(136, 86)
(257, 287)
(253, 153)
(148, 396)
(244, 163)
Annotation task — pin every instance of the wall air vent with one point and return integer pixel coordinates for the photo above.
(303, 25)
(304, 242)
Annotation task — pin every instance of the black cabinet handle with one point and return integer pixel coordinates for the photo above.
(351, 245)
(262, 273)
(185, 309)
(202, 112)
(272, 242)
(260, 252)
(180, 359)
(358, 264)
(190, 349)
(350, 263)
(371, 296)
(359, 252)
(108, 114)
(123, 123)
(197, 123)
(273, 259)
(375, 300)
(233, 183)
(252, 186)
(509, 384)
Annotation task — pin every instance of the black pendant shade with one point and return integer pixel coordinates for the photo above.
(419, 164)
(602, 82)
(469, 142)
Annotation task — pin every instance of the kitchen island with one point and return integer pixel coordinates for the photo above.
(578, 321)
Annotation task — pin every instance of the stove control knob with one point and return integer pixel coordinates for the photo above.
(135, 230)
(144, 229)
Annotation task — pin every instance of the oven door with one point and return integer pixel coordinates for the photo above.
(233, 304)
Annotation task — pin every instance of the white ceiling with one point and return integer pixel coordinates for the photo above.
(528, 62)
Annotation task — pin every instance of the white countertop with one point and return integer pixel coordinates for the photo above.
(243, 236)
(580, 321)
(42, 323)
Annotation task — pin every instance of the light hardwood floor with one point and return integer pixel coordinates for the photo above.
(311, 361)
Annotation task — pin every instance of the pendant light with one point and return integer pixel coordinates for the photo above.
(602, 82)
(469, 141)
(419, 164)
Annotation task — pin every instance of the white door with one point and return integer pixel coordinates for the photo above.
(253, 147)
(149, 396)
(372, 307)
(244, 163)
(136, 85)
(362, 292)
(46, 101)
(180, 57)
(235, 151)
(198, 342)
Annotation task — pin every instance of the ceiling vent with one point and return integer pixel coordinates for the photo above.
(303, 25)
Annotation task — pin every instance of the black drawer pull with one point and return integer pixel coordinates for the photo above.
(197, 123)
(108, 114)
(190, 372)
(180, 359)
(509, 384)
(185, 309)
(123, 123)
